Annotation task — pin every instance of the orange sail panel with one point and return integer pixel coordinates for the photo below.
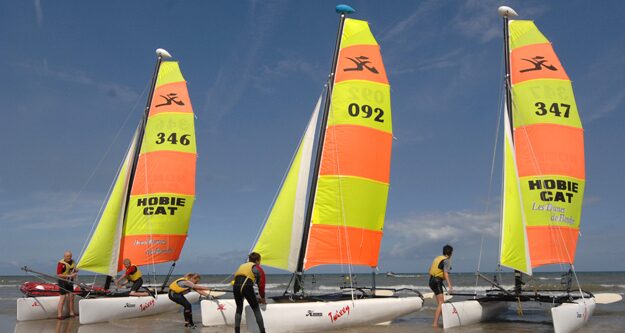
(549, 146)
(352, 189)
(163, 189)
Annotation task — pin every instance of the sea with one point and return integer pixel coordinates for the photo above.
(535, 318)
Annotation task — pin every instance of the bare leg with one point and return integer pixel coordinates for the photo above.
(439, 299)
(71, 304)
(59, 310)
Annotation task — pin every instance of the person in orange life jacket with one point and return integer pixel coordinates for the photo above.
(132, 274)
(183, 286)
(243, 287)
(439, 272)
(66, 271)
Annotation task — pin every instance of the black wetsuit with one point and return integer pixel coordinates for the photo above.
(244, 288)
(180, 299)
(136, 284)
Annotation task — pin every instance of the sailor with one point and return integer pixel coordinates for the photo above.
(243, 287)
(439, 272)
(66, 272)
(183, 286)
(132, 274)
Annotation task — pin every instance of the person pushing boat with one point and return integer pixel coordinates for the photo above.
(439, 273)
(132, 274)
(66, 271)
(183, 286)
(243, 288)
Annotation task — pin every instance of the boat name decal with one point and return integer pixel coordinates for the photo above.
(312, 313)
(160, 205)
(147, 305)
(338, 313)
(129, 305)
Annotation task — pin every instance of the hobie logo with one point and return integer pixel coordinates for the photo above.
(129, 305)
(361, 63)
(221, 307)
(338, 313)
(539, 63)
(169, 99)
(35, 303)
(311, 313)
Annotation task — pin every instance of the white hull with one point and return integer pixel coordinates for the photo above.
(218, 312)
(321, 316)
(470, 312)
(95, 310)
(568, 317)
(43, 307)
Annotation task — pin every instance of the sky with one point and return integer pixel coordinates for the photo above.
(75, 76)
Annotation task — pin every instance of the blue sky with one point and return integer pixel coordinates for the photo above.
(74, 81)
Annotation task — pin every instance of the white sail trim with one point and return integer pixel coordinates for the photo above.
(114, 260)
(299, 209)
(508, 138)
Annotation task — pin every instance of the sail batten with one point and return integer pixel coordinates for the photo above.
(548, 150)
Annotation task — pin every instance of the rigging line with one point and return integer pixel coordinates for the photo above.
(492, 170)
(277, 193)
(108, 150)
(95, 221)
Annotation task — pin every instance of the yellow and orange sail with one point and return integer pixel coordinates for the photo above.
(153, 228)
(350, 202)
(548, 148)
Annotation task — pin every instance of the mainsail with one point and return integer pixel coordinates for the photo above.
(351, 190)
(549, 155)
(147, 220)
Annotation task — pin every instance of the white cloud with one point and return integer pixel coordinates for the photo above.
(424, 9)
(422, 231)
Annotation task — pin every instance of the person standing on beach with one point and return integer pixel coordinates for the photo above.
(439, 272)
(243, 287)
(183, 286)
(132, 274)
(66, 272)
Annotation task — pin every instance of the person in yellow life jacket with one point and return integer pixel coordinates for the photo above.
(132, 274)
(439, 272)
(66, 271)
(183, 286)
(243, 287)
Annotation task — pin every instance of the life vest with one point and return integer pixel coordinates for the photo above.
(69, 268)
(177, 288)
(434, 270)
(134, 276)
(246, 270)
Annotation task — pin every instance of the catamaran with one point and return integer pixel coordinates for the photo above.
(543, 184)
(331, 205)
(147, 214)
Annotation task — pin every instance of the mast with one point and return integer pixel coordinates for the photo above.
(343, 10)
(506, 13)
(160, 55)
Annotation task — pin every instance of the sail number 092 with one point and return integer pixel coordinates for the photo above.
(173, 138)
(558, 109)
(367, 111)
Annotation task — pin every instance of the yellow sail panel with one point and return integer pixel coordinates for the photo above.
(514, 252)
(350, 200)
(163, 188)
(101, 253)
(549, 146)
(280, 241)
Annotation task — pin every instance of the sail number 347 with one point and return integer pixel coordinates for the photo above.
(173, 139)
(557, 109)
(367, 111)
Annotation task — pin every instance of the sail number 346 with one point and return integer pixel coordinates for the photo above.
(367, 111)
(173, 138)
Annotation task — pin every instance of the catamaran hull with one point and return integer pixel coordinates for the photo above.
(568, 317)
(470, 312)
(96, 310)
(44, 307)
(321, 316)
(219, 312)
